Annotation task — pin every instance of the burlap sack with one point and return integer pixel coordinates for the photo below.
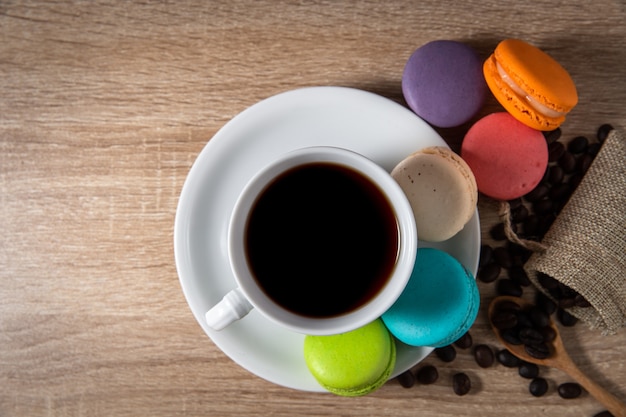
(585, 248)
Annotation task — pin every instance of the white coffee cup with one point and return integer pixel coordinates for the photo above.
(251, 292)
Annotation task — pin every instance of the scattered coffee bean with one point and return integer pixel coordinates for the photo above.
(507, 359)
(528, 370)
(567, 162)
(603, 132)
(461, 383)
(531, 226)
(552, 135)
(486, 253)
(489, 272)
(604, 414)
(569, 390)
(427, 375)
(465, 341)
(545, 303)
(560, 192)
(484, 356)
(565, 318)
(406, 379)
(537, 193)
(538, 387)
(519, 214)
(502, 257)
(446, 353)
(555, 151)
(578, 145)
(538, 317)
(508, 287)
(555, 174)
(543, 206)
(497, 232)
(583, 163)
(593, 149)
(518, 275)
(547, 281)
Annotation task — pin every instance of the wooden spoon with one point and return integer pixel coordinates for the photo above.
(561, 360)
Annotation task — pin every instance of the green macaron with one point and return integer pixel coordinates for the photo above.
(353, 363)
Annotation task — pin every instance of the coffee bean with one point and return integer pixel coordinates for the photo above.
(593, 149)
(578, 145)
(446, 353)
(519, 214)
(538, 317)
(484, 356)
(465, 341)
(528, 370)
(406, 379)
(538, 351)
(604, 414)
(510, 336)
(555, 151)
(543, 206)
(507, 359)
(567, 301)
(427, 374)
(538, 387)
(581, 301)
(497, 231)
(502, 320)
(555, 174)
(518, 274)
(515, 203)
(545, 303)
(486, 253)
(567, 162)
(502, 257)
(530, 336)
(547, 281)
(489, 273)
(519, 254)
(569, 390)
(508, 287)
(560, 192)
(603, 132)
(575, 180)
(549, 334)
(508, 305)
(565, 318)
(461, 383)
(537, 193)
(583, 163)
(552, 135)
(531, 225)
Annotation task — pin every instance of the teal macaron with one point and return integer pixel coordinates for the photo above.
(354, 363)
(439, 303)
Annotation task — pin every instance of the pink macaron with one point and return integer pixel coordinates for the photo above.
(507, 157)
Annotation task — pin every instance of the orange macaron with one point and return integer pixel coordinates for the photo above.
(530, 84)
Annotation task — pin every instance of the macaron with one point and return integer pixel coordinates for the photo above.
(530, 84)
(441, 189)
(354, 363)
(439, 303)
(507, 157)
(443, 83)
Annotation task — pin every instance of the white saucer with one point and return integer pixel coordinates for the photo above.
(376, 127)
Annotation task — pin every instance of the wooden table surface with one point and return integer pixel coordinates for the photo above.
(104, 106)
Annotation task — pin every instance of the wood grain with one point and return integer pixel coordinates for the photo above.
(104, 106)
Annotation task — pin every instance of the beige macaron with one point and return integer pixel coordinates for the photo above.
(441, 189)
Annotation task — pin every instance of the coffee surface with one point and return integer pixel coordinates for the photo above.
(322, 240)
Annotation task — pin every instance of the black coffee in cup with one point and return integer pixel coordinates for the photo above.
(322, 240)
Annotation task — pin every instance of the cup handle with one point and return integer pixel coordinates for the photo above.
(232, 307)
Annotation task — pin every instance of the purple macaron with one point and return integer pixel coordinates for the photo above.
(443, 83)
